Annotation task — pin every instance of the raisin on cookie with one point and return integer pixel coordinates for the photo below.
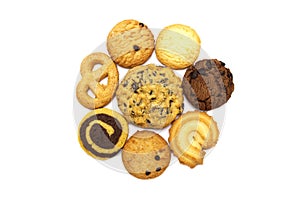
(150, 96)
(146, 155)
(130, 43)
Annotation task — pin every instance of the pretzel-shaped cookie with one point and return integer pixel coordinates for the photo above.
(91, 80)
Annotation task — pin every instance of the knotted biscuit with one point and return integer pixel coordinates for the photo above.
(91, 80)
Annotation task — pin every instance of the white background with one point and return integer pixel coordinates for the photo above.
(42, 44)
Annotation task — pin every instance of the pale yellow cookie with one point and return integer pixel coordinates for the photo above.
(190, 135)
(130, 43)
(177, 46)
(103, 93)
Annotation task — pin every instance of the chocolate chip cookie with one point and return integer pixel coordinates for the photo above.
(208, 84)
(150, 96)
(146, 155)
(130, 43)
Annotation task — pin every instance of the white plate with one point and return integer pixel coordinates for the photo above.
(116, 162)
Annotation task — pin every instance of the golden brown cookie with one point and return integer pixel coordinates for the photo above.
(190, 135)
(177, 46)
(146, 155)
(102, 133)
(130, 43)
(91, 81)
(150, 96)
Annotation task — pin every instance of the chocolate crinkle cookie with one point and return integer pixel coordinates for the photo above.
(208, 84)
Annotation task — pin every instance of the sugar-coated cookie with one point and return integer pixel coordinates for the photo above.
(150, 96)
(208, 84)
(102, 133)
(190, 135)
(146, 155)
(130, 43)
(177, 46)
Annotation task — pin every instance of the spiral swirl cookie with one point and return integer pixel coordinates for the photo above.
(177, 46)
(146, 155)
(102, 133)
(150, 96)
(130, 43)
(208, 84)
(190, 135)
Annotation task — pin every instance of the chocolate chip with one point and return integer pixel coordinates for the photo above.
(157, 157)
(125, 83)
(158, 169)
(141, 24)
(162, 74)
(222, 63)
(229, 75)
(208, 64)
(171, 101)
(125, 105)
(194, 74)
(147, 173)
(132, 113)
(202, 71)
(134, 86)
(151, 92)
(136, 48)
(148, 121)
(153, 98)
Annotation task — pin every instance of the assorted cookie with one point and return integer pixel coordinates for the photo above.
(91, 81)
(191, 134)
(102, 133)
(150, 96)
(177, 46)
(208, 84)
(130, 43)
(146, 155)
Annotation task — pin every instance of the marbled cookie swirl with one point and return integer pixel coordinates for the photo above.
(150, 96)
(102, 133)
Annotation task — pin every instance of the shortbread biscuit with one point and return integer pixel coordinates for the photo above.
(146, 155)
(91, 81)
(177, 46)
(150, 96)
(130, 43)
(102, 133)
(191, 134)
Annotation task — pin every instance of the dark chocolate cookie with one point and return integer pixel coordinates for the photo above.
(208, 84)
